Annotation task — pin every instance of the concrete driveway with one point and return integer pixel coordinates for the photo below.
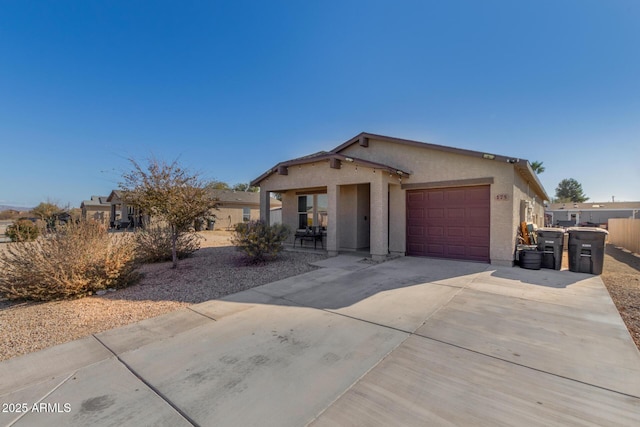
(408, 342)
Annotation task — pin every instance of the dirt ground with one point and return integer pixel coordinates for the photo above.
(621, 276)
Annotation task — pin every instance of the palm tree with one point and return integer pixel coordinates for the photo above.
(537, 167)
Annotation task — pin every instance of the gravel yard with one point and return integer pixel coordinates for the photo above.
(621, 276)
(214, 271)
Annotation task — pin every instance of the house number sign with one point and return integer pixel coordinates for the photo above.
(502, 197)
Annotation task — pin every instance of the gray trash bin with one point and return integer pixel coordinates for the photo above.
(586, 249)
(550, 243)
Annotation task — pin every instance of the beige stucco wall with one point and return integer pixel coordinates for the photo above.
(97, 213)
(388, 222)
(228, 217)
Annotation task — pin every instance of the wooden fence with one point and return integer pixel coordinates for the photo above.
(625, 232)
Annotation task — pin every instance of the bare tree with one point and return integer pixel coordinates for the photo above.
(170, 193)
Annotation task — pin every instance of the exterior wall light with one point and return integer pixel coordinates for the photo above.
(488, 156)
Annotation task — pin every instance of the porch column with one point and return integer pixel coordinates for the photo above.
(265, 212)
(333, 197)
(379, 218)
(397, 220)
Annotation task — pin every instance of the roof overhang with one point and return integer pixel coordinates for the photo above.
(526, 171)
(334, 159)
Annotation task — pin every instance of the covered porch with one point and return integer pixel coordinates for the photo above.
(364, 217)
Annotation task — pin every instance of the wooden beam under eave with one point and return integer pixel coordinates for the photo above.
(363, 141)
(283, 170)
(335, 163)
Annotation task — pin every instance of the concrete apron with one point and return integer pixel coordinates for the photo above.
(408, 342)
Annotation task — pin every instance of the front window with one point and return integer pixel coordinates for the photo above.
(246, 214)
(313, 211)
(322, 215)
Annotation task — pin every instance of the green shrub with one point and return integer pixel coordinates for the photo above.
(74, 261)
(154, 244)
(22, 230)
(260, 241)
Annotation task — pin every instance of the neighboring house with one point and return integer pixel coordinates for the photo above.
(122, 215)
(388, 195)
(237, 206)
(591, 213)
(97, 209)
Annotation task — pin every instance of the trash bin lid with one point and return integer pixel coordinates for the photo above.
(587, 229)
(555, 229)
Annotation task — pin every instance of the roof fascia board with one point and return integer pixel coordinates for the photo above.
(326, 157)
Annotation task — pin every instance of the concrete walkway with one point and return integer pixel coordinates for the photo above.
(408, 342)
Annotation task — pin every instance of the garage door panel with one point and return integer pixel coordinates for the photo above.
(455, 197)
(415, 213)
(456, 251)
(415, 248)
(481, 232)
(477, 194)
(449, 223)
(416, 197)
(456, 213)
(436, 250)
(455, 232)
(478, 214)
(435, 213)
(478, 252)
(416, 231)
(435, 232)
(435, 197)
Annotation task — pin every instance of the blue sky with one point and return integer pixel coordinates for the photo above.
(232, 88)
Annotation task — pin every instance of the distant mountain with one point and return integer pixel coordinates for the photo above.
(15, 208)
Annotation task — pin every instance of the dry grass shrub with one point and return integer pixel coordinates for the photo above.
(258, 241)
(154, 244)
(74, 261)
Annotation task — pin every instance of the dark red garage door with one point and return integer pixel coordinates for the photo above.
(449, 223)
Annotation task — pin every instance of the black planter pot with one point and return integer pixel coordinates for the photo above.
(531, 260)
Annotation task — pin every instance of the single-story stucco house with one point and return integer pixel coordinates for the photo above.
(122, 215)
(388, 195)
(97, 209)
(592, 213)
(237, 206)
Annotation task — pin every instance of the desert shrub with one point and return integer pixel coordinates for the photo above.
(22, 230)
(259, 241)
(74, 261)
(154, 244)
